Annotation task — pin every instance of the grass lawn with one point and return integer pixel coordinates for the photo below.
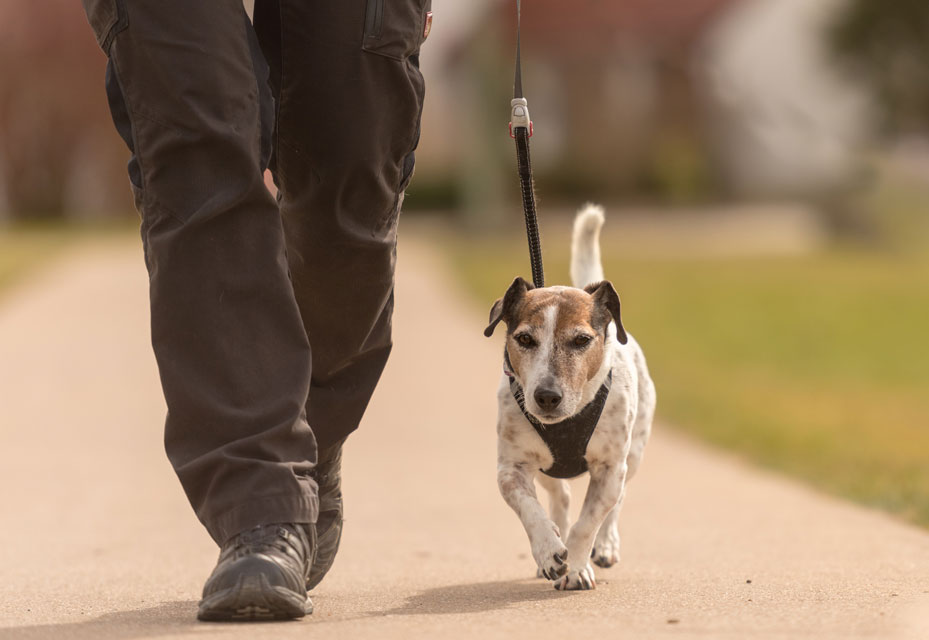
(815, 366)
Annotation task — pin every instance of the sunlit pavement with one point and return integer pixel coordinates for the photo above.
(98, 540)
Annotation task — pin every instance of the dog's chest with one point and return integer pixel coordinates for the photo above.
(567, 449)
(567, 440)
(567, 444)
(519, 441)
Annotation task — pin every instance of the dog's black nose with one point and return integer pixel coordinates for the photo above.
(547, 399)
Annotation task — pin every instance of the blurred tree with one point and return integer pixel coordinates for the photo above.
(58, 150)
(889, 43)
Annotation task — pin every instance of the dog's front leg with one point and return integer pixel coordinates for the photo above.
(606, 487)
(518, 489)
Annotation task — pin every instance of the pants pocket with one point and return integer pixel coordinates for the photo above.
(395, 28)
(107, 18)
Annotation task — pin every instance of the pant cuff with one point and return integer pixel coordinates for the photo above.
(268, 510)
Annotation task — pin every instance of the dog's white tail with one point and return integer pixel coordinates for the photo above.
(585, 246)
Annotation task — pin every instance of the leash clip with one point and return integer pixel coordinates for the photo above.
(519, 115)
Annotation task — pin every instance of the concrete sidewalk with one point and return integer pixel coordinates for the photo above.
(99, 542)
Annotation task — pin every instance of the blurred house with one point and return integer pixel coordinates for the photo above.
(673, 100)
(676, 101)
(782, 120)
(59, 152)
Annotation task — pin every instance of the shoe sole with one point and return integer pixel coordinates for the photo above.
(253, 599)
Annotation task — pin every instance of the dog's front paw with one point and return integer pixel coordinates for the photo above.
(551, 556)
(582, 580)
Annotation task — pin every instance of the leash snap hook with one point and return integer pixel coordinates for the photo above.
(519, 116)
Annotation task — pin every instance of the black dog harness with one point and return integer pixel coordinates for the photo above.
(566, 440)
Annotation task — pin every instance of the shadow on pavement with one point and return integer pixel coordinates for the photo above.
(474, 598)
(151, 622)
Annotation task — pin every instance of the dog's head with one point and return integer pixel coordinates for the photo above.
(556, 338)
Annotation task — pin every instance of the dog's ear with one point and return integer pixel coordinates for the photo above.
(504, 306)
(606, 306)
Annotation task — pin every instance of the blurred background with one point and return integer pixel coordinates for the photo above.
(764, 165)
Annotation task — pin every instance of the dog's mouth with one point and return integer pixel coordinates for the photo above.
(549, 417)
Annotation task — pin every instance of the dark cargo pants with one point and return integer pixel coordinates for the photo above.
(264, 353)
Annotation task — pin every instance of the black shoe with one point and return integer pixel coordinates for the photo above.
(261, 575)
(328, 475)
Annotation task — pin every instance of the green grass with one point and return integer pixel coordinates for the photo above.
(815, 366)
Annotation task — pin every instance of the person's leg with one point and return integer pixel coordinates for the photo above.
(350, 96)
(187, 84)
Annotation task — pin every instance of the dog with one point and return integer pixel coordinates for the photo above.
(575, 396)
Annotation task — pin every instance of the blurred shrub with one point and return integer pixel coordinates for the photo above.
(678, 172)
(888, 42)
(897, 203)
(58, 149)
(433, 194)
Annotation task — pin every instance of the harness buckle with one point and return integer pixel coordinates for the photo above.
(519, 115)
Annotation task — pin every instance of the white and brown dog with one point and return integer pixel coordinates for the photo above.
(575, 397)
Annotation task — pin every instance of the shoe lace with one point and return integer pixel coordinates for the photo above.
(280, 537)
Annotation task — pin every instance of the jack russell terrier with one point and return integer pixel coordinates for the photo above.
(575, 397)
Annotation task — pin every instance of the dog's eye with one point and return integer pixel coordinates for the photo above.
(525, 340)
(581, 341)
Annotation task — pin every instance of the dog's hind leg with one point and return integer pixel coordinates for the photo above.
(559, 499)
(606, 546)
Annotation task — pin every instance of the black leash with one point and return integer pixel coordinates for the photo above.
(521, 130)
